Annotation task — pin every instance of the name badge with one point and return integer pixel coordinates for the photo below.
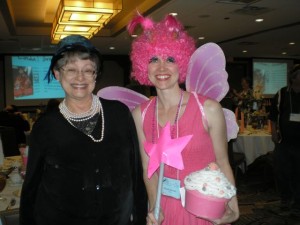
(295, 117)
(171, 187)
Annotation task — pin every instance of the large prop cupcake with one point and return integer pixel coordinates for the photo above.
(207, 192)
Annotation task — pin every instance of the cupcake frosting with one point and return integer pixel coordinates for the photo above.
(210, 181)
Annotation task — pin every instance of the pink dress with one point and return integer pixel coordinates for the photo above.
(196, 155)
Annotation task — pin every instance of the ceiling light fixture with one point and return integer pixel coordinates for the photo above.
(83, 17)
(259, 20)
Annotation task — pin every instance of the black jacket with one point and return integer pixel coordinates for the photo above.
(72, 180)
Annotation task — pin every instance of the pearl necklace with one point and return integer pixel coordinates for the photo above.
(96, 107)
(81, 116)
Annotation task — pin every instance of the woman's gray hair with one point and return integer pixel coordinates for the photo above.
(71, 56)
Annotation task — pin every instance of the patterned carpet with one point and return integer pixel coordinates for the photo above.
(259, 200)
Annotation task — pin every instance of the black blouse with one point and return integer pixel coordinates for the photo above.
(70, 179)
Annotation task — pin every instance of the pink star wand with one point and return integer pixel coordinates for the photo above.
(165, 151)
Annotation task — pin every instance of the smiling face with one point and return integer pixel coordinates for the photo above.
(163, 73)
(165, 38)
(76, 79)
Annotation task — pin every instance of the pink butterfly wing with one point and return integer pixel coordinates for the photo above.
(231, 125)
(207, 76)
(206, 73)
(124, 95)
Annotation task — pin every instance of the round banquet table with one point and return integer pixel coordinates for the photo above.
(253, 143)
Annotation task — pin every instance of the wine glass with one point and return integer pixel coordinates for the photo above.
(2, 186)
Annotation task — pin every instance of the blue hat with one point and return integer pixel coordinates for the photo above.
(71, 43)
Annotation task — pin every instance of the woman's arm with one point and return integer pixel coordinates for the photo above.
(140, 209)
(217, 131)
(150, 183)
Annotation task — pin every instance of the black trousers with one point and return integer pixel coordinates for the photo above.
(287, 164)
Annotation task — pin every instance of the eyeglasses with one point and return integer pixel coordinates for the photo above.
(86, 72)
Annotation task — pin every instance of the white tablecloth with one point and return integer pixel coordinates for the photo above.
(11, 190)
(253, 143)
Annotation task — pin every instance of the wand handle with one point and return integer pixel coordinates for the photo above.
(159, 189)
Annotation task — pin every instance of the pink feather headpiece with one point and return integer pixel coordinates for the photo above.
(166, 38)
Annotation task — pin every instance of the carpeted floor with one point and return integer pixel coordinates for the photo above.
(259, 200)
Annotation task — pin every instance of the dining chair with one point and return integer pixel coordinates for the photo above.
(237, 160)
(9, 141)
(10, 217)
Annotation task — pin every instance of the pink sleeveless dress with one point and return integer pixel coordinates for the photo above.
(196, 155)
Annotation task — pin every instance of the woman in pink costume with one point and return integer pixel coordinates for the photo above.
(160, 57)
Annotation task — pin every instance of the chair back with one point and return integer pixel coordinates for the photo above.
(10, 217)
(236, 159)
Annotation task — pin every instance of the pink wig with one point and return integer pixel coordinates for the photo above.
(164, 39)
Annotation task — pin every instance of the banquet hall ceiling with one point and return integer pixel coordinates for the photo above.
(26, 25)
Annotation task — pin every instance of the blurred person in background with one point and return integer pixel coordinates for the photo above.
(285, 118)
(12, 117)
(244, 97)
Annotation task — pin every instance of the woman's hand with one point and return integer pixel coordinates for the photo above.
(151, 218)
(229, 216)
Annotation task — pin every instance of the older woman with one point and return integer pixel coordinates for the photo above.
(83, 158)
